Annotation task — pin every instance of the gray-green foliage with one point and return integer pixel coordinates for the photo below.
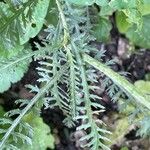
(41, 138)
(67, 81)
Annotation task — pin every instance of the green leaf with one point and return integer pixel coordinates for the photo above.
(6, 43)
(11, 52)
(147, 77)
(17, 26)
(89, 2)
(102, 2)
(42, 138)
(102, 30)
(124, 148)
(2, 112)
(122, 24)
(38, 16)
(140, 38)
(133, 17)
(131, 10)
(52, 14)
(122, 4)
(106, 11)
(143, 86)
(145, 8)
(81, 2)
(131, 22)
(9, 48)
(10, 72)
(127, 18)
(121, 128)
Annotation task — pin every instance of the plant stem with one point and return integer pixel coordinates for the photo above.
(27, 108)
(64, 23)
(120, 81)
(70, 59)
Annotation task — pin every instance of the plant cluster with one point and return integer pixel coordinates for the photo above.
(68, 64)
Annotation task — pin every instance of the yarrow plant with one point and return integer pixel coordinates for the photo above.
(68, 65)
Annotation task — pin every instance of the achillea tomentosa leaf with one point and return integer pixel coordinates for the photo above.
(94, 137)
(67, 68)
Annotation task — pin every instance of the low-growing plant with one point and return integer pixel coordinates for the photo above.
(68, 64)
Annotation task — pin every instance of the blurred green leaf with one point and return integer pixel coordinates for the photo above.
(135, 22)
(145, 8)
(122, 24)
(42, 138)
(124, 148)
(121, 128)
(51, 16)
(106, 11)
(89, 2)
(143, 86)
(147, 77)
(102, 29)
(122, 4)
(140, 38)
